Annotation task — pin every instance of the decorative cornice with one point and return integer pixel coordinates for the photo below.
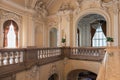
(12, 4)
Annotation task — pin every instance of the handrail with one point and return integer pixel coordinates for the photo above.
(90, 53)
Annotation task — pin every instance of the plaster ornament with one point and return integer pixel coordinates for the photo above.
(40, 8)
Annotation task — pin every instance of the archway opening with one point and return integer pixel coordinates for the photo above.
(92, 31)
(53, 77)
(53, 37)
(10, 38)
(81, 75)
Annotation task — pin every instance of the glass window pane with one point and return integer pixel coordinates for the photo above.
(99, 38)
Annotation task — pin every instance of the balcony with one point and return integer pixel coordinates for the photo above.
(16, 60)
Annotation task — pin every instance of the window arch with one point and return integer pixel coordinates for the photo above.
(10, 27)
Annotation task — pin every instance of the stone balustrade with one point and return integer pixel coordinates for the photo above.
(90, 53)
(19, 59)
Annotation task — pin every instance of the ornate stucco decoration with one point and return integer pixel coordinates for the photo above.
(109, 6)
(52, 22)
(6, 15)
(40, 9)
(88, 3)
(65, 8)
(53, 69)
(32, 74)
(112, 5)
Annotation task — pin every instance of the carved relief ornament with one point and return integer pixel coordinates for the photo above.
(40, 9)
(113, 5)
(6, 15)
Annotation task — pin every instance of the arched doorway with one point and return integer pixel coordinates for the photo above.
(53, 77)
(92, 31)
(10, 32)
(81, 75)
(53, 37)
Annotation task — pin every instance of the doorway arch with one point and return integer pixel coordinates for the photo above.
(92, 31)
(53, 77)
(87, 12)
(80, 74)
(53, 37)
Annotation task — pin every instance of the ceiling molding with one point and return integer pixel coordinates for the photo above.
(12, 4)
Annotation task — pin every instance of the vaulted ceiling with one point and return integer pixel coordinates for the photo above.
(51, 5)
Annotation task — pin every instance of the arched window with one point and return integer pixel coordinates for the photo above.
(10, 39)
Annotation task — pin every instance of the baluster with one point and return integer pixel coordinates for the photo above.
(59, 51)
(46, 53)
(49, 53)
(42, 53)
(16, 60)
(94, 54)
(18, 54)
(38, 54)
(1, 59)
(97, 52)
(5, 58)
(11, 57)
(21, 56)
(54, 52)
(81, 52)
(73, 51)
(87, 52)
(90, 52)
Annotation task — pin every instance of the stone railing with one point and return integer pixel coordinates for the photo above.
(15, 60)
(94, 54)
(11, 56)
